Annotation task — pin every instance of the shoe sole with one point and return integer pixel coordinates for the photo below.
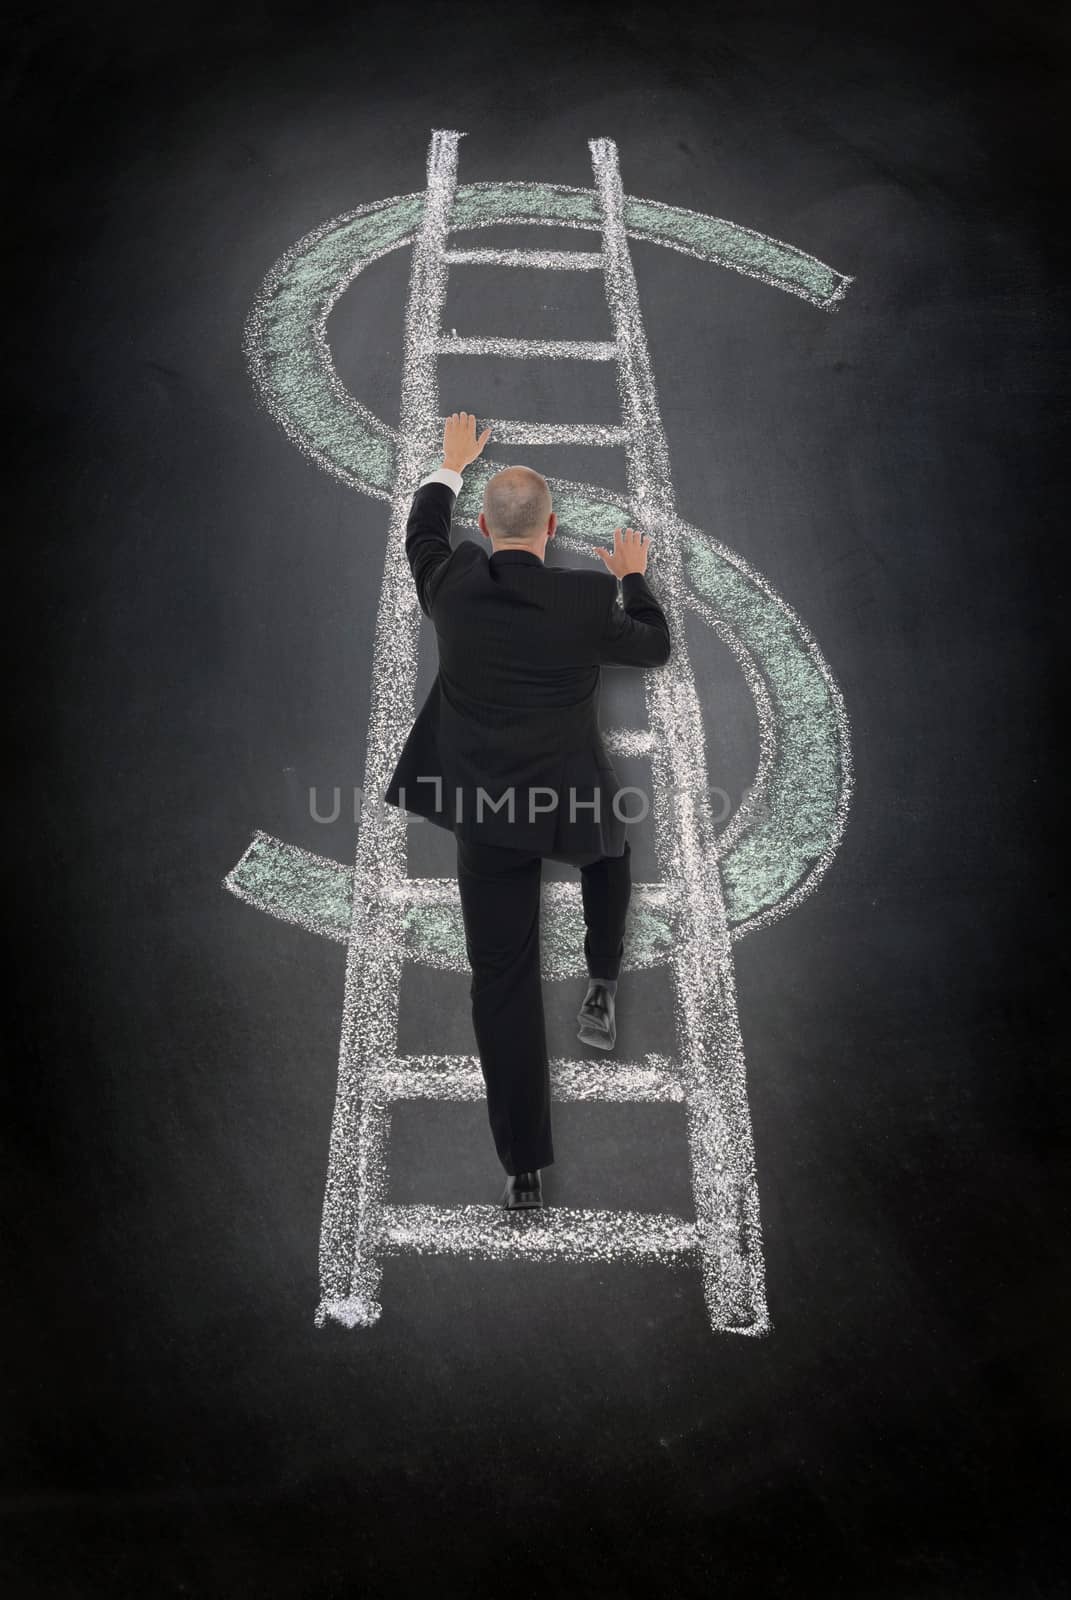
(522, 1205)
(600, 1041)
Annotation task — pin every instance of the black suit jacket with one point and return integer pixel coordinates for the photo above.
(514, 705)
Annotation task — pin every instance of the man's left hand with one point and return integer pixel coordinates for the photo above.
(460, 444)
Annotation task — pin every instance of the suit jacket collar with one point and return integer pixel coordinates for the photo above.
(498, 556)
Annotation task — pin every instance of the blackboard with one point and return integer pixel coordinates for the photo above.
(192, 618)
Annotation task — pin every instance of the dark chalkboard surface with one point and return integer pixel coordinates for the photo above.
(856, 359)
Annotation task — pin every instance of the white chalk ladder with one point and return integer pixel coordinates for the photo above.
(395, 918)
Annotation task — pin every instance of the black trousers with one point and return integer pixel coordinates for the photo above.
(500, 901)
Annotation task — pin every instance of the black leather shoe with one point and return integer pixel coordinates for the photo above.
(523, 1190)
(596, 1017)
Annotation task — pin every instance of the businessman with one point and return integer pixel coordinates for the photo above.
(506, 752)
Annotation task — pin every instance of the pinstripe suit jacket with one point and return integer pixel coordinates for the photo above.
(514, 705)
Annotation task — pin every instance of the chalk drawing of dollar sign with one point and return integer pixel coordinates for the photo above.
(716, 882)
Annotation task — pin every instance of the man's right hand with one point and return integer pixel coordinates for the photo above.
(630, 552)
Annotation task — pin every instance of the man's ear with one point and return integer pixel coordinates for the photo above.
(552, 525)
(481, 522)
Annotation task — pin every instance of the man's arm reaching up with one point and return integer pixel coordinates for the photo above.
(637, 636)
(427, 530)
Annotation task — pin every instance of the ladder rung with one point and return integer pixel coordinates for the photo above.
(444, 891)
(510, 432)
(577, 349)
(567, 260)
(630, 741)
(460, 1078)
(556, 1232)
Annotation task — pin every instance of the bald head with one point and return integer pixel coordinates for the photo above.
(517, 504)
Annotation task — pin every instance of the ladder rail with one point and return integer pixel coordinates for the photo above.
(711, 1051)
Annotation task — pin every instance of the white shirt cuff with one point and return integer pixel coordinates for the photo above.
(445, 475)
